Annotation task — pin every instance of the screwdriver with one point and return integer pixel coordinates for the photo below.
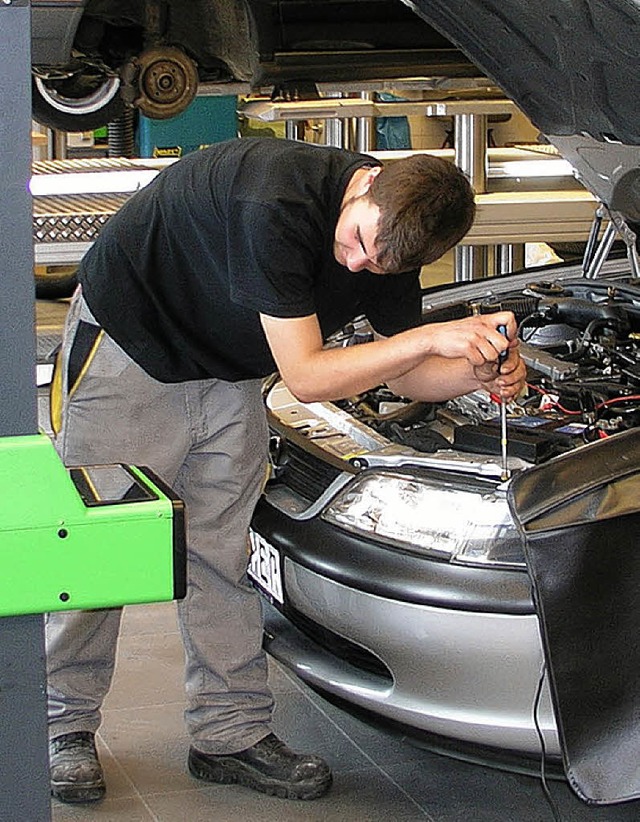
(503, 413)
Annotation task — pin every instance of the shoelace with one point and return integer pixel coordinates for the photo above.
(271, 744)
(73, 744)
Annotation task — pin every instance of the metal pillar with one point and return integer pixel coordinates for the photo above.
(335, 130)
(471, 156)
(509, 257)
(24, 778)
(294, 129)
(365, 129)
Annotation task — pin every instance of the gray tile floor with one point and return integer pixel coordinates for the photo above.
(377, 776)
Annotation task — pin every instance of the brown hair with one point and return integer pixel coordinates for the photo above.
(426, 207)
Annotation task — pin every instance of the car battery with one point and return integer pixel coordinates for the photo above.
(534, 444)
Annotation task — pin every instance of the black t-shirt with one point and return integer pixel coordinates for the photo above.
(179, 275)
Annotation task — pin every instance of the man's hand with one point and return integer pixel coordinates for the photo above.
(509, 380)
(465, 356)
(476, 339)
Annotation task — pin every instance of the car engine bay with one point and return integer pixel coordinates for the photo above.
(580, 340)
(581, 343)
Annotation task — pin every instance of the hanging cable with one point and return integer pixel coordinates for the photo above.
(543, 749)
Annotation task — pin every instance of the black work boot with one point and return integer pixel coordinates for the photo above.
(268, 766)
(76, 773)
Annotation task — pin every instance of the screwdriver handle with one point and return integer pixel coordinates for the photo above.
(502, 356)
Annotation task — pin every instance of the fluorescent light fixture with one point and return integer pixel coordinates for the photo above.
(94, 182)
(532, 168)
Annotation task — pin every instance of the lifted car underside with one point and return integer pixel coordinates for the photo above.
(153, 54)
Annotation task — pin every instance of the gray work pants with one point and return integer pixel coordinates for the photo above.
(207, 439)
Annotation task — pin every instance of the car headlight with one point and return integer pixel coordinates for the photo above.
(435, 517)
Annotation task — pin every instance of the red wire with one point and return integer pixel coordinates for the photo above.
(618, 399)
(604, 404)
(553, 402)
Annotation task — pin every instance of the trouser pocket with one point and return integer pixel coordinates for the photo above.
(85, 343)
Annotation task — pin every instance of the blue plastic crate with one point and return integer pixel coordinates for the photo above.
(207, 120)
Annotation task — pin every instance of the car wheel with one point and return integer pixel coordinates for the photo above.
(53, 283)
(77, 102)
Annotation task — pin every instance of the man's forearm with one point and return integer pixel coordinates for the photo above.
(436, 379)
(314, 373)
(341, 372)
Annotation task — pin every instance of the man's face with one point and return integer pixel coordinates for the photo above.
(355, 236)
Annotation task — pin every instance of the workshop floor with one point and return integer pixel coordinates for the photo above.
(377, 776)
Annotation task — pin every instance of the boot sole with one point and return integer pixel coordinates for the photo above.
(232, 773)
(74, 794)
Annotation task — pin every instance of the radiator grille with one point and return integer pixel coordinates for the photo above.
(305, 474)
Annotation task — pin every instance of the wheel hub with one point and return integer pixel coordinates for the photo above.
(167, 82)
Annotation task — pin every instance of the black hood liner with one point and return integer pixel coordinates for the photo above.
(579, 518)
(571, 66)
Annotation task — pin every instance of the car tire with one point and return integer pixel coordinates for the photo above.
(71, 107)
(54, 284)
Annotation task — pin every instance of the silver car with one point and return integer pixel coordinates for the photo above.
(385, 546)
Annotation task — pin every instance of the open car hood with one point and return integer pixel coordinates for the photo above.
(572, 68)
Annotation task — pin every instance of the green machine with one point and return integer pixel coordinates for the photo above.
(88, 537)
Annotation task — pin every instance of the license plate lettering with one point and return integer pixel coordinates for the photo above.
(264, 567)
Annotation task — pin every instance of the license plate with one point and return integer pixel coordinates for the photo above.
(264, 567)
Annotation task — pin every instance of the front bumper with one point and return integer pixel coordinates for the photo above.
(450, 651)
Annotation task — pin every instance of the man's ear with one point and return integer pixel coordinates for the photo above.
(368, 179)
